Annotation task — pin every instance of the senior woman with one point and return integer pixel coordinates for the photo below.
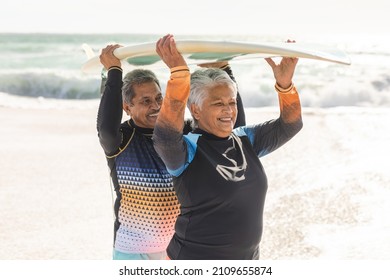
(218, 177)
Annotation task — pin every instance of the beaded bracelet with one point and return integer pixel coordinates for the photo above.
(283, 90)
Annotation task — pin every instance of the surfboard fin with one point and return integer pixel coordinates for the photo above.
(88, 50)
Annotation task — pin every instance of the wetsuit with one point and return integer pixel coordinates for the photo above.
(220, 182)
(146, 206)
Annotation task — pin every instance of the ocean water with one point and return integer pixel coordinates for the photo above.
(49, 66)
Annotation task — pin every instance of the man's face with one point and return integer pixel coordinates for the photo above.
(145, 105)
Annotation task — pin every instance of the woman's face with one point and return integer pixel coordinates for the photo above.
(218, 112)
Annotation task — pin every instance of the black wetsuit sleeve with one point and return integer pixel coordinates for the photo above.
(272, 134)
(240, 106)
(110, 113)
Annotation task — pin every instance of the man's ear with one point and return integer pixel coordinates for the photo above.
(195, 112)
(127, 108)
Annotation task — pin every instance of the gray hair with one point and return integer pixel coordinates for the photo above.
(204, 79)
(136, 77)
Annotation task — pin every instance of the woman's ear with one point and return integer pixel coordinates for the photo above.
(195, 112)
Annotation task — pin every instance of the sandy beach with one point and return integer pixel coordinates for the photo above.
(327, 198)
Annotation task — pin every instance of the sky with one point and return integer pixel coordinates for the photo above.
(206, 17)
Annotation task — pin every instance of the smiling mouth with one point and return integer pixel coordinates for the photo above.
(225, 119)
(154, 114)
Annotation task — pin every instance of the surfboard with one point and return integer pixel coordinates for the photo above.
(201, 51)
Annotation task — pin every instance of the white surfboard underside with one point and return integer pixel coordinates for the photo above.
(208, 51)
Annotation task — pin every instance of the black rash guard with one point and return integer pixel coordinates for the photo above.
(220, 182)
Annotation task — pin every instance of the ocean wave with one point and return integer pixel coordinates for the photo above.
(50, 85)
(317, 89)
